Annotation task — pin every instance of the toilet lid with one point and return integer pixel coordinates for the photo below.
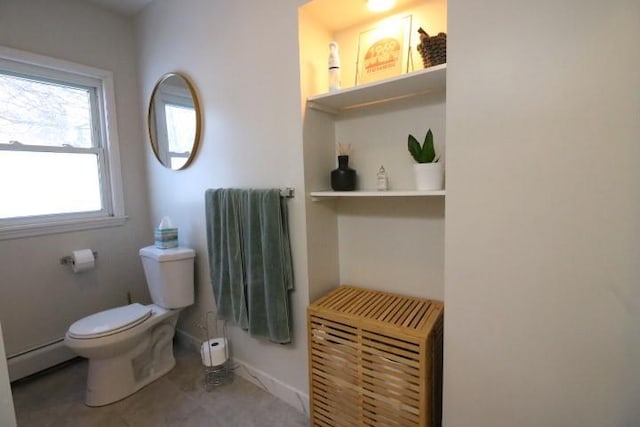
(110, 321)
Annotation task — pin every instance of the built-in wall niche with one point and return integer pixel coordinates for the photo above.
(352, 25)
(360, 237)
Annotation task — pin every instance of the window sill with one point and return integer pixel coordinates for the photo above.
(31, 230)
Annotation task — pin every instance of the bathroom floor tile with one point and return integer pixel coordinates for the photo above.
(56, 399)
(159, 404)
(78, 414)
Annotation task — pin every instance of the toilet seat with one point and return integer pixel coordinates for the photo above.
(110, 321)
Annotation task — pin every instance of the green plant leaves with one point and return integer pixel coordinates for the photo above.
(425, 153)
(414, 148)
(428, 150)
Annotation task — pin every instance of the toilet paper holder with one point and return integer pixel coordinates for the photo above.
(221, 374)
(68, 260)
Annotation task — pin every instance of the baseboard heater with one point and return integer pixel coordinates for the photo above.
(38, 358)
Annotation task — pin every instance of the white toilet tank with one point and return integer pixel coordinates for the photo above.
(169, 274)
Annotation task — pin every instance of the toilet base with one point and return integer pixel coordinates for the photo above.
(112, 379)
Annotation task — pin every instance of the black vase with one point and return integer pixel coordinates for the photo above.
(343, 178)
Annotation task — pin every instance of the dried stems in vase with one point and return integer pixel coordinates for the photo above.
(343, 149)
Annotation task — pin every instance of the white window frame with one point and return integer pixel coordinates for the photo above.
(113, 213)
(169, 96)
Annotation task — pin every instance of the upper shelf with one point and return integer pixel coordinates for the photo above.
(414, 83)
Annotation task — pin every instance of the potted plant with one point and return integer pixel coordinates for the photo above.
(428, 171)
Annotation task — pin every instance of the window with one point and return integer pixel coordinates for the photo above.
(59, 162)
(181, 130)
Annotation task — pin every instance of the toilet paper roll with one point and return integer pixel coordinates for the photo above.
(214, 352)
(82, 260)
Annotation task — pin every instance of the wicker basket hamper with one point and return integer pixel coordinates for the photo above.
(375, 359)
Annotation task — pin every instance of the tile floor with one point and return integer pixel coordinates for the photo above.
(56, 398)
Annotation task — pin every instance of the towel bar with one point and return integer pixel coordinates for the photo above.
(288, 193)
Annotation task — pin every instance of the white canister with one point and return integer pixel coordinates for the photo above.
(429, 176)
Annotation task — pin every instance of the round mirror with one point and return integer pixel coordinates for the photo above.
(174, 121)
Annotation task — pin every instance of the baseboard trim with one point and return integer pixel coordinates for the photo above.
(36, 360)
(272, 385)
(268, 383)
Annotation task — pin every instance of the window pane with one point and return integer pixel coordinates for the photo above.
(42, 113)
(181, 127)
(40, 183)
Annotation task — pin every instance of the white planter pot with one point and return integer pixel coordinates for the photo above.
(429, 176)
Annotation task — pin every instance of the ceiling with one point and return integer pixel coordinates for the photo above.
(352, 12)
(123, 7)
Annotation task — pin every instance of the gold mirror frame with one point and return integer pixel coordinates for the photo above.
(184, 96)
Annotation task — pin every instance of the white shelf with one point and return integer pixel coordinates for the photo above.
(415, 83)
(316, 195)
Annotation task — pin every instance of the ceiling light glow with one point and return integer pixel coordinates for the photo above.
(380, 5)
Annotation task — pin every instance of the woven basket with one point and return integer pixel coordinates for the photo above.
(433, 49)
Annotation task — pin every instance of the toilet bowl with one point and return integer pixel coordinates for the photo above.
(130, 346)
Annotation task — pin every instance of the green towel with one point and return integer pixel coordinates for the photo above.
(250, 260)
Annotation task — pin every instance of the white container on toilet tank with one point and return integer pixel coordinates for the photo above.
(164, 268)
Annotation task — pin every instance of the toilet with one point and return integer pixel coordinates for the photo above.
(130, 346)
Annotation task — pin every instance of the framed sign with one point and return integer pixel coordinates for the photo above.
(383, 51)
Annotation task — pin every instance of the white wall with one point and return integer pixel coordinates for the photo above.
(39, 298)
(392, 244)
(242, 57)
(543, 214)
